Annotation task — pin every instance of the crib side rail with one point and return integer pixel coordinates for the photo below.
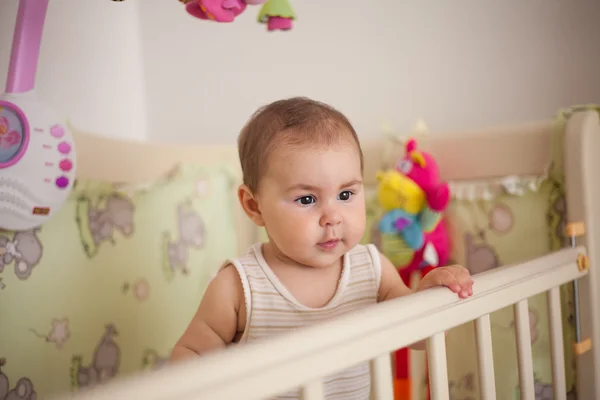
(260, 370)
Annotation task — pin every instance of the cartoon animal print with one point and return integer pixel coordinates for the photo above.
(152, 361)
(98, 222)
(24, 250)
(104, 366)
(559, 207)
(501, 219)
(556, 216)
(544, 391)
(479, 257)
(534, 330)
(191, 234)
(59, 333)
(23, 389)
(140, 289)
(463, 388)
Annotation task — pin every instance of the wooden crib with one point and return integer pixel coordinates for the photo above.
(302, 359)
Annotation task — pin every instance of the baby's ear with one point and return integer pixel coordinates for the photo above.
(250, 205)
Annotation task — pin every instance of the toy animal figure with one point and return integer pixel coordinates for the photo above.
(414, 200)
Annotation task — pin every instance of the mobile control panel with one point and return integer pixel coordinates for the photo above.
(37, 163)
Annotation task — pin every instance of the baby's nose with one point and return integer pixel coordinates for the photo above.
(331, 217)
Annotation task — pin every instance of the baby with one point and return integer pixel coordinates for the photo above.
(303, 182)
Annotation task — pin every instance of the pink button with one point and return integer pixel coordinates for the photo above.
(64, 147)
(57, 131)
(65, 165)
(62, 182)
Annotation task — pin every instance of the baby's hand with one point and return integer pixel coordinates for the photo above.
(454, 277)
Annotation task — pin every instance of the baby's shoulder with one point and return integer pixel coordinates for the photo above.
(227, 277)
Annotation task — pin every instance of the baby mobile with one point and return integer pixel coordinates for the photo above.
(277, 14)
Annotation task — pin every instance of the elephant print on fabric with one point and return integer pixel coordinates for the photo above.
(23, 389)
(559, 210)
(98, 222)
(24, 250)
(463, 388)
(544, 391)
(105, 362)
(479, 257)
(191, 234)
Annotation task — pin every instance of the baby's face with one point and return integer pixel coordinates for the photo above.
(313, 203)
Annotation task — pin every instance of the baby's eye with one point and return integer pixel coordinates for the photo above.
(345, 195)
(306, 200)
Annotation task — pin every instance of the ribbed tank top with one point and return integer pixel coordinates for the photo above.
(272, 310)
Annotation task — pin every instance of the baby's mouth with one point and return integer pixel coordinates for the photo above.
(329, 244)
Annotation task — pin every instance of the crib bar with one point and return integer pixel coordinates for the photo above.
(556, 345)
(438, 367)
(381, 376)
(292, 360)
(313, 390)
(485, 358)
(524, 354)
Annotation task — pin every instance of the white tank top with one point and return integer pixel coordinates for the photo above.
(271, 309)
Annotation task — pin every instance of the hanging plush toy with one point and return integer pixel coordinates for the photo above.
(277, 14)
(414, 200)
(215, 10)
(218, 10)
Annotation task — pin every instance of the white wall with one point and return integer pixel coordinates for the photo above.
(90, 63)
(459, 64)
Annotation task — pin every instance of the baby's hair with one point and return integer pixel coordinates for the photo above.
(290, 122)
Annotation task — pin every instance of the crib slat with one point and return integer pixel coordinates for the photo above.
(485, 357)
(313, 391)
(381, 375)
(556, 345)
(524, 355)
(438, 367)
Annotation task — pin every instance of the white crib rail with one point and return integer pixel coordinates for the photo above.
(301, 359)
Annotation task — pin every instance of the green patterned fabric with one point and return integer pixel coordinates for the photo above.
(108, 285)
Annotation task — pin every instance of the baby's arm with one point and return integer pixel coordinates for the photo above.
(392, 286)
(215, 323)
(454, 277)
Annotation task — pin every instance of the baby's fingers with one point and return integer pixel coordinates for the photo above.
(443, 277)
(464, 280)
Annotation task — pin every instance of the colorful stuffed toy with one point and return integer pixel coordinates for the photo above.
(414, 199)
